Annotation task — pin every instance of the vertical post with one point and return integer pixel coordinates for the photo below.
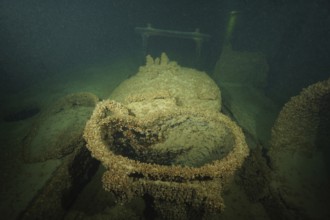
(145, 43)
(198, 50)
(230, 26)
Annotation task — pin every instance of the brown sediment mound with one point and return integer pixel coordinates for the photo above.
(64, 120)
(152, 144)
(164, 79)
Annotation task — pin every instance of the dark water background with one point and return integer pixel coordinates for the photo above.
(41, 38)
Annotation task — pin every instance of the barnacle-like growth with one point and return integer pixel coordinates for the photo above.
(301, 120)
(300, 153)
(180, 156)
